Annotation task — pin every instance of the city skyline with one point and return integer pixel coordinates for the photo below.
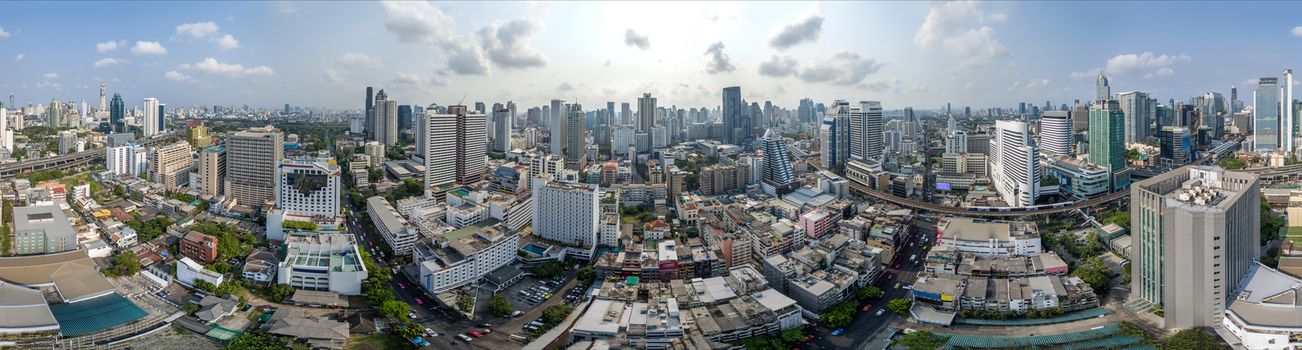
(904, 54)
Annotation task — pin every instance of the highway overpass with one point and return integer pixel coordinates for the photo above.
(8, 171)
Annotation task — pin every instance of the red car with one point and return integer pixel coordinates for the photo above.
(475, 333)
(867, 307)
(897, 266)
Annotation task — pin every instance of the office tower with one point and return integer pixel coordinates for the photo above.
(1014, 163)
(1080, 117)
(502, 130)
(777, 178)
(1055, 133)
(480, 108)
(457, 142)
(162, 122)
(610, 113)
(1196, 231)
(554, 118)
(103, 105)
(404, 118)
(54, 114)
(567, 213)
(1137, 108)
(1107, 138)
(385, 118)
(732, 110)
(1288, 128)
(251, 159)
(1213, 113)
(834, 135)
(625, 114)
(1234, 97)
(866, 131)
(1101, 89)
(575, 147)
(1266, 115)
(117, 115)
(170, 165)
(805, 110)
(212, 171)
(370, 116)
(1176, 146)
(308, 187)
(555, 127)
(646, 113)
(956, 142)
(150, 125)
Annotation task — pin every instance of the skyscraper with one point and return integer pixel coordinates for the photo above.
(54, 114)
(556, 127)
(1101, 89)
(385, 116)
(1107, 137)
(1266, 115)
(1055, 133)
(212, 171)
(866, 132)
(404, 117)
(625, 114)
(367, 111)
(1014, 163)
(456, 141)
(170, 165)
(1196, 231)
(117, 114)
(732, 113)
(251, 159)
(1213, 113)
(308, 187)
(1138, 110)
(149, 127)
(502, 130)
(575, 147)
(646, 113)
(834, 135)
(777, 178)
(103, 104)
(1288, 128)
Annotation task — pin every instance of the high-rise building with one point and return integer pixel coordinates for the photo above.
(251, 159)
(170, 165)
(149, 127)
(502, 130)
(866, 132)
(834, 135)
(117, 115)
(369, 114)
(567, 213)
(1288, 126)
(162, 119)
(1101, 89)
(103, 98)
(1176, 146)
(1213, 114)
(1107, 137)
(1055, 133)
(956, 142)
(457, 143)
(556, 127)
(1196, 231)
(212, 171)
(1266, 115)
(646, 113)
(308, 187)
(777, 177)
(625, 114)
(575, 136)
(1014, 163)
(385, 117)
(404, 117)
(732, 114)
(1138, 109)
(127, 158)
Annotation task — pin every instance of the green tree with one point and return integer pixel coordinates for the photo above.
(555, 314)
(922, 340)
(1094, 272)
(190, 308)
(395, 309)
(279, 292)
(409, 329)
(870, 292)
(794, 334)
(126, 263)
(586, 273)
(1190, 339)
(548, 270)
(839, 315)
(254, 341)
(205, 286)
(500, 306)
(899, 306)
(465, 302)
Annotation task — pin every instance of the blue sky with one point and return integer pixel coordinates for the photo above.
(904, 54)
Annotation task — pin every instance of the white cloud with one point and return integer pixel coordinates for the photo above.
(286, 8)
(360, 60)
(843, 68)
(1297, 31)
(110, 45)
(418, 22)
(632, 38)
(607, 62)
(108, 61)
(498, 43)
(3, 33)
(1089, 74)
(1126, 63)
(212, 66)
(1165, 71)
(19, 57)
(148, 48)
(227, 42)
(959, 28)
(50, 84)
(197, 30)
(565, 86)
(777, 66)
(50, 75)
(719, 62)
(177, 76)
(332, 76)
(1036, 84)
(807, 29)
(418, 82)
(505, 43)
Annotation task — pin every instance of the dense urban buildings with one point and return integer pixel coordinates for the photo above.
(1014, 163)
(252, 157)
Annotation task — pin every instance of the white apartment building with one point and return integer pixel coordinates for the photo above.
(128, 159)
(463, 256)
(324, 261)
(396, 231)
(987, 238)
(308, 187)
(568, 214)
(1014, 163)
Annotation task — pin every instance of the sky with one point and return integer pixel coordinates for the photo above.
(920, 54)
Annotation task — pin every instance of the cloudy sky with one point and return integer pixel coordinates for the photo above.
(904, 54)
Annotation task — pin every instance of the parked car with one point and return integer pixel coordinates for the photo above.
(475, 333)
(485, 325)
(880, 312)
(463, 337)
(838, 331)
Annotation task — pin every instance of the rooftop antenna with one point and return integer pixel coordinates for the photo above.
(462, 102)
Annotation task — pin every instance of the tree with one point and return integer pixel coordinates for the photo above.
(254, 341)
(839, 315)
(555, 314)
(126, 263)
(465, 302)
(395, 309)
(205, 286)
(1094, 272)
(548, 270)
(899, 306)
(586, 273)
(190, 308)
(409, 329)
(1190, 339)
(922, 340)
(280, 292)
(870, 292)
(500, 306)
(793, 334)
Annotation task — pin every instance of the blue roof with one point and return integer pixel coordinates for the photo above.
(95, 315)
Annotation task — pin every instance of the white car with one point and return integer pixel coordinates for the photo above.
(880, 312)
(411, 315)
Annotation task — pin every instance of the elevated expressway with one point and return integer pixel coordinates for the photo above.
(8, 171)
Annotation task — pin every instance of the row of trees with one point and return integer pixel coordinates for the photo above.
(998, 315)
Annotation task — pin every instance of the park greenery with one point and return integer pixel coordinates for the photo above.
(773, 342)
(922, 340)
(299, 225)
(466, 303)
(148, 230)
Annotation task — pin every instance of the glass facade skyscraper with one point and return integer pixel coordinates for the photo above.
(1266, 115)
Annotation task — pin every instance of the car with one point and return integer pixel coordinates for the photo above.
(475, 333)
(517, 313)
(403, 286)
(837, 332)
(485, 325)
(880, 312)
(246, 307)
(411, 315)
(463, 337)
(419, 301)
(867, 307)
(486, 331)
(890, 276)
(908, 286)
(897, 285)
(897, 266)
